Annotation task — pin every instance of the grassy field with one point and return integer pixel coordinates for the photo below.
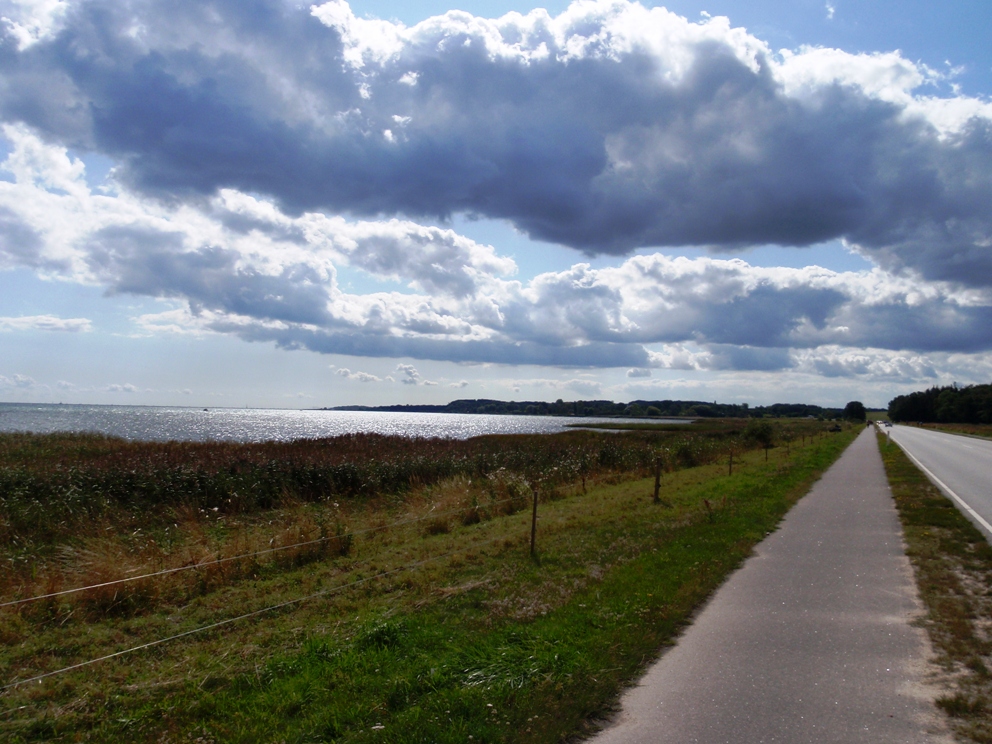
(952, 561)
(438, 629)
(687, 425)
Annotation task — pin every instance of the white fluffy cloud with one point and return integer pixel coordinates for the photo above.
(607, 127)
(126, 387)
(357, 375)
(45, 323)
(260, 150)
(239, 265)
(28, 21)
(17, 381)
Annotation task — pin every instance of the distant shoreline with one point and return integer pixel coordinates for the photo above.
(639, 409)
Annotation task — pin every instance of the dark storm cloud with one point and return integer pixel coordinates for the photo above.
(605, 149)
(747, 358)
(934, 325)
(768, 315)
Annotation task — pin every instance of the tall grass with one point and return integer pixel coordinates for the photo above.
(482, 641)
(56, 487)
(83, 509)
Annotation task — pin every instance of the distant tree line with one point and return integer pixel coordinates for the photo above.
(948, 405)
(635, 408)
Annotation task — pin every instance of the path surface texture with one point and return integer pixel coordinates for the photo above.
(810, 641)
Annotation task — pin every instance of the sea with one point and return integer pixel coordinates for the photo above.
(155, 423)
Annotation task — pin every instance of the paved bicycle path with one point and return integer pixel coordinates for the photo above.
(810, 641)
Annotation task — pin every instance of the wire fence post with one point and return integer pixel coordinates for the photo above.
(533, 525)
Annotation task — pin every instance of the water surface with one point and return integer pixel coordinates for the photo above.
(153, 423)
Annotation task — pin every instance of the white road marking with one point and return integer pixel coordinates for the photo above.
(946, 489)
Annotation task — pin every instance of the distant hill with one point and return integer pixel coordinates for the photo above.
(635, 408)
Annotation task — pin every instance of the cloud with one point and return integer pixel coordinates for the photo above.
(358, 375)
(410, 374)
(459, 384)
(608, 127)
(238, 265)
(20, 245)
(45, 323)
(872, 364)
(638, 372)
(125, 388)
(252, 165)
(17, 381)
(28, 21)
(747, 358)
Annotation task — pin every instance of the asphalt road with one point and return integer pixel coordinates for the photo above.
(810, 641)
(960, 466)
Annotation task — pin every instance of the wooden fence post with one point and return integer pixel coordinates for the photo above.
(657, 481)
(533, 525)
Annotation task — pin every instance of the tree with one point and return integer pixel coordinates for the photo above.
(855, 410)
(760, 431)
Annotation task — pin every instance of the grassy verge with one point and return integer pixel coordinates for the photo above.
(975, 430)
(479, 641)
(686, 426)
(953, 566)
(786, 429)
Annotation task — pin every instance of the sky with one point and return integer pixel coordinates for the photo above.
(265, 203)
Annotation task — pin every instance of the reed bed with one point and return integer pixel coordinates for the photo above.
(444, 629)
(82, 509)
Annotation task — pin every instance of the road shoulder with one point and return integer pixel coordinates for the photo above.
(953, 566)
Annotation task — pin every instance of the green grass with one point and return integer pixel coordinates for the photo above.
(952, 562)
(485, 642)
(785, 429)
(81, 509)
(974, 430)
(687, 426)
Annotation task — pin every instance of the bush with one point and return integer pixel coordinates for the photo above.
(760, 431)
